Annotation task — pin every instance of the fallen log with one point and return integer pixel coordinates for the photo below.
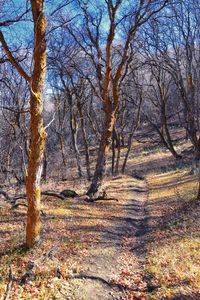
(102, 196)
(12, 200)
(45, 193)
(69, 193)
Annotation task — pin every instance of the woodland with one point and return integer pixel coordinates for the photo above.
(99, 149)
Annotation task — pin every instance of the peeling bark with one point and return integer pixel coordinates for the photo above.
(38, 134)
(37, 131)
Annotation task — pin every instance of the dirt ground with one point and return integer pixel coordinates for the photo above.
(111, 249)
(113, 268)
(100, 247)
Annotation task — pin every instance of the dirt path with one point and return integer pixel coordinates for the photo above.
(113, 269)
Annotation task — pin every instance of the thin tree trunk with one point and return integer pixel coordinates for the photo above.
(62, 148)
(38, 134)
(87, 155)
(127, 152)
(170, 144)
(113, 151)
(92, 125)
(134, 127)
(73, 126)
(118, 155)
(167, 141)
(8, 164)
(45, 163)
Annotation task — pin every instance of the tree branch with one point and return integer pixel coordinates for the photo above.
(12, 59)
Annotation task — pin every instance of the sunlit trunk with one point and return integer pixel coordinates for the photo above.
(37, 131)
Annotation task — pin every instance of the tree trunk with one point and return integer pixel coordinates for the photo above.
(127, 152)
(38, 134)
(73, 126)
(45, 164)
(87, 155)
(167, 141)
(118, 154)
(170, 144)
(62, 148)
(102, 153)
(74, 131)
(113, 151)
(8, 164)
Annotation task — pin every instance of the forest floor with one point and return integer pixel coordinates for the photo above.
(143, 245)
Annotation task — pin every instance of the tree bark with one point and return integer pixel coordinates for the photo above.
(102, 153)
(37, 130)
(113, 151)
(73, 126)
(167, 141)
(38, 134)
(87, 155)
(118, 154)
(74, 131)
(62, 148)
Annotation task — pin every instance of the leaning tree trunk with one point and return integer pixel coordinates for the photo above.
(167, 141)
(110, 118)
(170, 143)
(127, 153)
(37, 130)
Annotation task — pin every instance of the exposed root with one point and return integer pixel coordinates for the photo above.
(31, 265)
(100, 198)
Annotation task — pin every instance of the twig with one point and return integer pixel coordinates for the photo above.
(45, 193)
(53, 119)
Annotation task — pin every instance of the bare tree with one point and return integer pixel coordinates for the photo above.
(176, 40)
(37, 130)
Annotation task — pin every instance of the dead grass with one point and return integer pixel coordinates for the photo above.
(78, 229)
(173, 257)
(172, 266)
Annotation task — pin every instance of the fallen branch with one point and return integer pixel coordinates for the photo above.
(45, 193)
(100, 198)
(53, 194)
(103, 196)
(16, 205)
(12, 200)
